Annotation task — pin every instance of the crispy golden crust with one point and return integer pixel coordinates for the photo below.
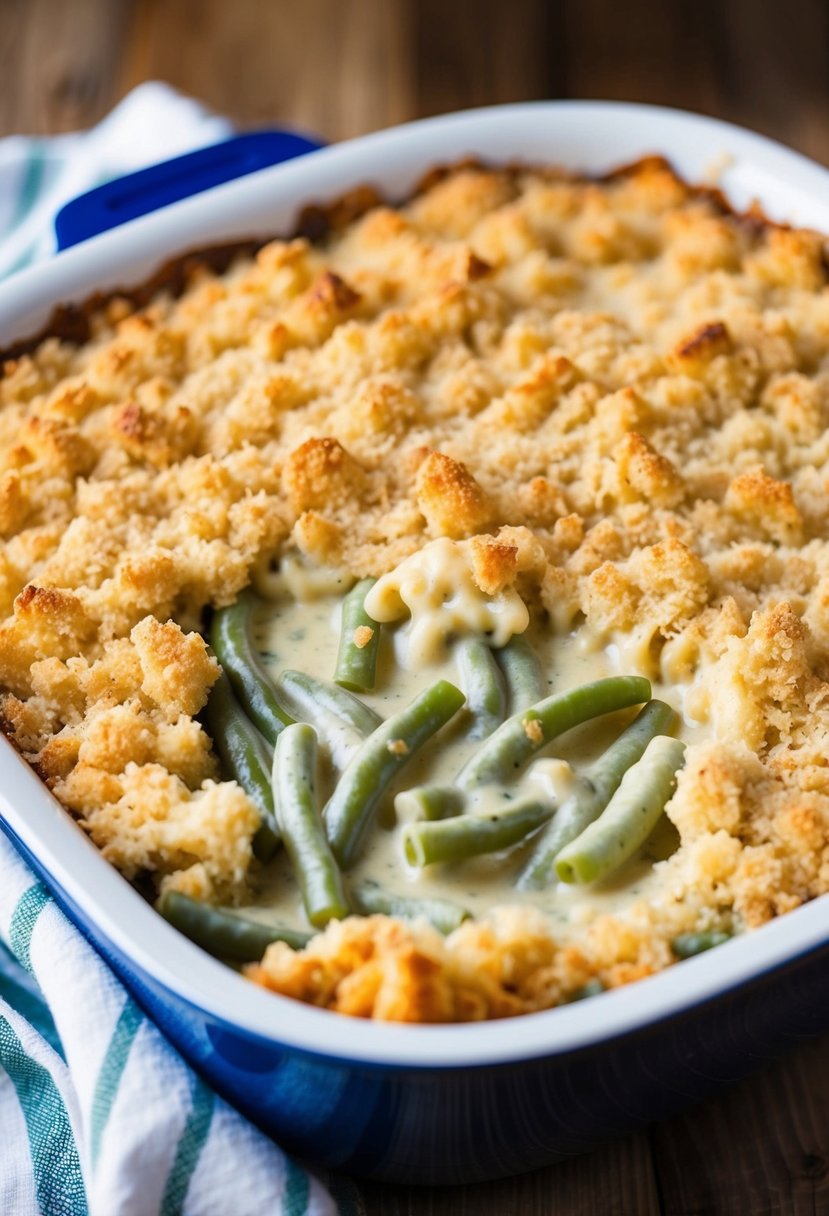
(378, 967)
(510, 963)
(618, 385)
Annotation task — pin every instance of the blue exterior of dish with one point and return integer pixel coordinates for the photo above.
(443, 1125)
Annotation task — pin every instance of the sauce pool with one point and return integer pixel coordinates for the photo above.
(303, 635)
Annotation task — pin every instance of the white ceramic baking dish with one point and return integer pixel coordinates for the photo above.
(430, 1103)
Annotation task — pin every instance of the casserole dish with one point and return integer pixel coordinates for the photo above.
(432, 1104)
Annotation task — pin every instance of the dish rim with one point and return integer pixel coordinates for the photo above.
(75, 865)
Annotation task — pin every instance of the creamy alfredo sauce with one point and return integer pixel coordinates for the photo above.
(300, 630)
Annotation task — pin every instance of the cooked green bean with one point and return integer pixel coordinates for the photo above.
(339, 738)
(591, 988)
(686, 945)
(306, 695)
(223, 933)
(317, 873)
(429, 802)
(522, 671)
(246, 758)
(231, 640)
(369, 898)
(628, 819)
(593, 791)
(359, 641)
(483, 684)
(352, 805)
(463, 836)
(504, 755)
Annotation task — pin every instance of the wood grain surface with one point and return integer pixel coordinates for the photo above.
(341, 67)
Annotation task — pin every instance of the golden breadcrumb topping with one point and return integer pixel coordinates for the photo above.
(618, 388)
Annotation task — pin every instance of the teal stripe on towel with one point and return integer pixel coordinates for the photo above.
(56, 1167)
(112, 1069)
(297, 1187)
(189, 1149)
(23, 921)
(30, 188)
(21, 992)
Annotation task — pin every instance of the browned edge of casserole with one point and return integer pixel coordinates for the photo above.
(71, 322)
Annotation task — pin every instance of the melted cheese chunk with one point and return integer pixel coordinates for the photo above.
(435, 586)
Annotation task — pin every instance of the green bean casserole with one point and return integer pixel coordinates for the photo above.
(430, 613)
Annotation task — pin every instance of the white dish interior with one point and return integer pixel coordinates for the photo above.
(586, 136)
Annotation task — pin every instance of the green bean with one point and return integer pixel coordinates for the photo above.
(481, 680)
(628, 819)
(429, 802)
(368, 898)
(340, 740)
(319, 879)
(525, 733)
(463, 836)
(352, 805)
(591, 988)
(246, 758)
(231, 640)
(337, 736)
(359, 641)
(522, 671)
(593, 791)
(307, 695)
(686, 945)
(223, 933)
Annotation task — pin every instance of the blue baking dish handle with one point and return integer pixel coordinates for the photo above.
(146, 190)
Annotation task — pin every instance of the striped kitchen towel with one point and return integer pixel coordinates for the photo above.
(37, 176)
(98, 1113)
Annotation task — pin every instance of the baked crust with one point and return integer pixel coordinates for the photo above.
(619, 387)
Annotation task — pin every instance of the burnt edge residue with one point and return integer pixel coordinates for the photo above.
(72, 322)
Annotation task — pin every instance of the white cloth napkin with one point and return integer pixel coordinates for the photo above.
(98, 1113)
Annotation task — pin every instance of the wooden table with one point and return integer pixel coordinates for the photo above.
(339, 68)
